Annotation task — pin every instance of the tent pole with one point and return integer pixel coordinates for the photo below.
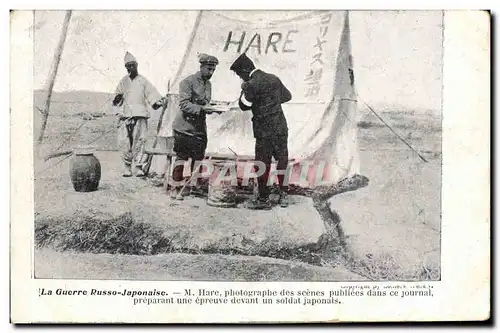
(53, 74)
(188, 48)
(175, 80)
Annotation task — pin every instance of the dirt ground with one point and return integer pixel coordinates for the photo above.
(391, 227)
(122, 204)
(180, 266)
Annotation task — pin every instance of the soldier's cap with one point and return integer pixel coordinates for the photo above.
(206, 59)
(129, 58)
(241, 62)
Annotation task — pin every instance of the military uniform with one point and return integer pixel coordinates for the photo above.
(189, 126)
(264, 93)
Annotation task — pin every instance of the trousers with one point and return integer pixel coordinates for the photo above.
(265, 149)
(187, 147)
(131, 137)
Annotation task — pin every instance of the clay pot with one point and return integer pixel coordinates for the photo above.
(85, 171)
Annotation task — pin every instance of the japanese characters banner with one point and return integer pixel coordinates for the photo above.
(301, 52)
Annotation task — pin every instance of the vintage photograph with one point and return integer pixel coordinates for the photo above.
(276, 146)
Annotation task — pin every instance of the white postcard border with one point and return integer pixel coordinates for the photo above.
(462, 294)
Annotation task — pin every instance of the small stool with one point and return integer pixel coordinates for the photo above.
(162, 146)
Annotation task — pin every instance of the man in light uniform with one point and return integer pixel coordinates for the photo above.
(190, 125)
(134, 94)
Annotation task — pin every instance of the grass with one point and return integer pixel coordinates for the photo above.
(126, 236)
(86, 234)
(90, 233)
(383, 267)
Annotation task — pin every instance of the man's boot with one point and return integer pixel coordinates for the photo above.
(283, 199)
(260, 203)
(138, 171)
(197, 190)
(262, 196)
(127, 171)
(175, 193)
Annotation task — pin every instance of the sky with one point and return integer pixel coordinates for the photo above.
(397, 54)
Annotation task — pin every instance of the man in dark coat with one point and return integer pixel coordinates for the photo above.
(189, 126)
(263, 93)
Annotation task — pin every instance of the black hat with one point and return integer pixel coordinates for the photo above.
(242, 62)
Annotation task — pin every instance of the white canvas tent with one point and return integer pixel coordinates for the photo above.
(311, 54)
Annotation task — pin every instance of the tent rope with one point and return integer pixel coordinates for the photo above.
(55, 164)
(113, 128)
(393, 131)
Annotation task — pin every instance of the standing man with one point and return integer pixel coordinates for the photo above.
(263, 93)
(190, 126)
(134, 94)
